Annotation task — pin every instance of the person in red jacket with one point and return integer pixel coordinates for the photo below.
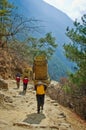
(18, 80)
(25, 83)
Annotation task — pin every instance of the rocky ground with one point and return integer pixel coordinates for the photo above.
(19, 112)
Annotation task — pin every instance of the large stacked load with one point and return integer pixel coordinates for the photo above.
(40, 68)
(26, 73)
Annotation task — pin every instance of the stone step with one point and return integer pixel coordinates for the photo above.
(60, 126)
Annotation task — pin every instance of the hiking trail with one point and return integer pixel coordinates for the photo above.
(19, 112)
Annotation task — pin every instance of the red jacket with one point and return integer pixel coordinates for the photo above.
(25, 80)
(18, 79)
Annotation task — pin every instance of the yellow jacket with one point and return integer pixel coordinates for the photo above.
(40, 89)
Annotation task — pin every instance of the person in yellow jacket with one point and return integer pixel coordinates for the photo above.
(40, 95)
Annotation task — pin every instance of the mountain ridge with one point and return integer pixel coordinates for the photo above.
(54, 21)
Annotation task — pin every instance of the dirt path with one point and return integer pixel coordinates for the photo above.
(19, 112)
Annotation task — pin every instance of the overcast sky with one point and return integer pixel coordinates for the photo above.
(73, 8)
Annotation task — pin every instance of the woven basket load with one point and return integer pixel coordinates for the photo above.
(26, 73)
(40, 58)
(46, 81)
(40, 68)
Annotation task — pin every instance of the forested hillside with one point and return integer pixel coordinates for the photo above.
(50, 20)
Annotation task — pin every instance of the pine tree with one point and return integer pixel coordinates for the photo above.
(43, 46)
(76, 50)
(5, 13)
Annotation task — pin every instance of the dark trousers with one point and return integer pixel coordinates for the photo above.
(24, 87)
(18, 84)
(40, 101)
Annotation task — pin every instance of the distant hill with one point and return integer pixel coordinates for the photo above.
(54, 21)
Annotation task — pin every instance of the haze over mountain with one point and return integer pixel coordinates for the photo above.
(55, 21)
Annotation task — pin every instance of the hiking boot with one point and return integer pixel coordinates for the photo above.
(24, 92)
(41, 107)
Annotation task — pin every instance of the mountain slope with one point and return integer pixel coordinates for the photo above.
(10, 63)
(55, 21)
